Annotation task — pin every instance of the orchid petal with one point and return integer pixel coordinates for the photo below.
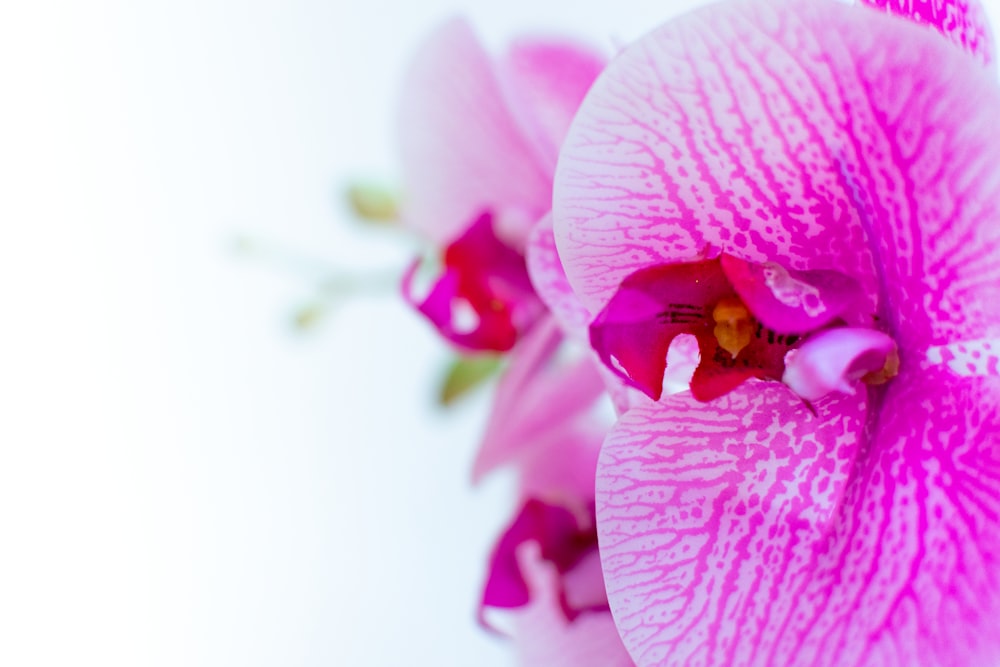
(558, 465)
(556, 531)
(633, 333)
(964, 22)
(791, 302)
(461, 151)
(544, 81)
(536, 401)
(504, 437)
(490, 280)
(545, 638)
(807, 133)
(549, 279)
(834, 359)
(749, 532)
(969, 358)
(709, 516)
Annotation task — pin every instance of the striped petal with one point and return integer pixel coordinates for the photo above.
(962, 21)
(549, 279)
(750, 532)
(811, 134)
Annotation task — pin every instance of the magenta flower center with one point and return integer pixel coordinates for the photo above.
(483, 299)
(750, 321)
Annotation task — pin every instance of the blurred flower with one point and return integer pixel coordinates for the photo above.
(544, 576)
(810, 144)
(479, 140)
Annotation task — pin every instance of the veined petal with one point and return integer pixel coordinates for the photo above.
(549, 279)
(747, 532)
(970, 357)
(544, 81)
(710, 518)
(811, 134)
(461, 151)
(962, 21)
(912, 573)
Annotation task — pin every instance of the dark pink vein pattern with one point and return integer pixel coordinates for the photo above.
(748, 531)
(812, 134)
(962, 21)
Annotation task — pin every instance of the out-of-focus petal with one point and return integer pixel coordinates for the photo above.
(503, 439)
(964, 22)
(536, 399)
(461, 151)
(544, 638)
(750, 532)
(559, 464)
(834, 360)
(549, 278)
(811, 134)
(484, 280)
(544, 81)
(557, 532)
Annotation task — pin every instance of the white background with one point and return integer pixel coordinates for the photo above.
(183, 479)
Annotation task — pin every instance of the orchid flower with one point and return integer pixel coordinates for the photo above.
(811, 191)
(479, 140)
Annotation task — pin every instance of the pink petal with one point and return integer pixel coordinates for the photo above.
(461, 150)
(709, 516)
(549, 278)
(561, 541)
(653, 306)
(544, 638)
(750, 532)
(487, 277)
(791, 302)
(537, 402)
(544, 81)
(912, 573)
(559, 464)
(834, 359)
(808, 133)
(962, 21)
(968, 358)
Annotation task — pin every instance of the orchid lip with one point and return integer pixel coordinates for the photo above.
(483, 299)
(562, 540)
(750, 321)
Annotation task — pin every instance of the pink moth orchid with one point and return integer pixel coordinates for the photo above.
(835, 173)
(479, 140)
